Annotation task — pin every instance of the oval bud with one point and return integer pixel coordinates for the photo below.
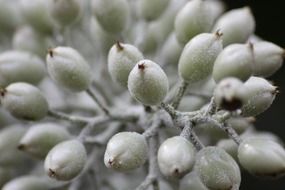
(262, 157)
(259, 95)
(126, 151)
(229, 94)
(217, 169)
(235, 60)
(66, 160)
(24, 101)
(121, 60)
(268, 58)
(20, 66)
(152, 9)
(27, 183)
(198, 56)
(68, 68)
(237, 25)
(112, 15)
(192, 19)
(192, 182)
(40, 138)
(176, 157)
(148, 83)
(64, 12)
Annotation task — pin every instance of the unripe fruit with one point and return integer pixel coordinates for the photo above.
(112, 15)
(176, 157)
(216, 8)
(148, 83)
(217, 169)
(229, 94)
(121, 60)
(268, 58)
(27, 183)
(40, 138)
(68, 68)
(237, 25)
(126, 151)
(235, 60)
(192, 19)
(198, 56)
(262, 157)
(152, 9)
(66, 160)
(192, 182)
(65, 12)
(9, 17)
(20, 66)
(24, 101)
(259, 95)
(9, 140)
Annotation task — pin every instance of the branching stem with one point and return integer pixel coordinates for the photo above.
(180, 93)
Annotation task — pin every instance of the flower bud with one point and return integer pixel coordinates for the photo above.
(65, 12)
(176, 157)
(113, 15)
(192, 181)
(216, 8)
(24, 101)
(268, 58)
(68, 68)
(20, 66)
(259, 95)
(229, 94)
(40, 139)
(235, 60)
(126, 151)
(198, 56)
(237, 25)
(148, 83)
(193, 19)
(121, 60)
(66, 160)
(9, 17)
(27, 183)
(152, 9)
(262, 157)
(217, 169)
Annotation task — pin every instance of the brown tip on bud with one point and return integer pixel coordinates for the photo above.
(119, 46)
(21, 147)
(50, 52)
(231, 105)
(111, 162)
(276, 90)
(218, 33)
(3, 91)
(141, 66)
(51, 173)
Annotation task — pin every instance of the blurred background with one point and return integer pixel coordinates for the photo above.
(269, 17)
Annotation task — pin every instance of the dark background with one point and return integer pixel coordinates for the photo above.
(270, 25)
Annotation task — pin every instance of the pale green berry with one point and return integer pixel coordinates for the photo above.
(27, 182)
(126, 151)
(217, 169)
(262, 157)
(191, 103)
(65, 12)
(9, 140)
(236, 60)
(194, 18)
(198, 56)
(36, 14)
(237, 25)
(152, 9)
(192, 182)
(20, 66)
(66, 160)
(9, 17)
(268, 58)
(148, 83)
(176, 157)
(240, 124)
(259, 95)
(112, 15)
(216, 8)
(68, 68)
(230, 94)
(27, 39)
(229, 146)
(41, 138)
(121, 60)
(24, 101)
